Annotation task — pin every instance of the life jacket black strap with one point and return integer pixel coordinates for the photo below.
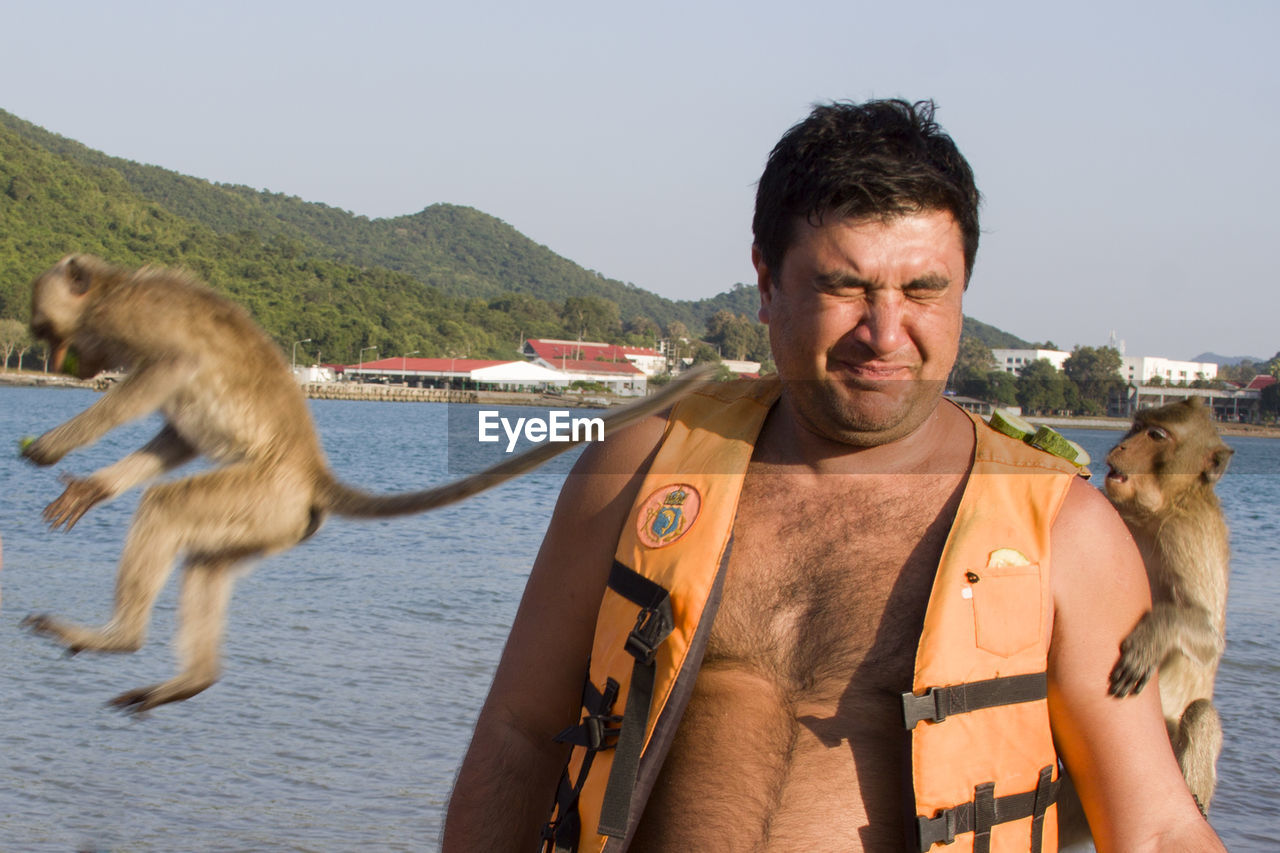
(1046, 793)
(598, 726)
(985, 811)
(561, 835)
(654, 624)
(937, 703)
(984, 816)
(594, 733)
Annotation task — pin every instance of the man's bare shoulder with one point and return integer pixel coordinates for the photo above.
(1092, 545)
(624, 451)
(1111, 747)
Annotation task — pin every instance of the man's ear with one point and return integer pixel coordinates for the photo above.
(764, 283)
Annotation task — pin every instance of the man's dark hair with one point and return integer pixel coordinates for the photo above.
(879, 159)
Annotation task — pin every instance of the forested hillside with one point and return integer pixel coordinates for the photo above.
(448, 280)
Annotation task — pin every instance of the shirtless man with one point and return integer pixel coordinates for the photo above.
(793, 736)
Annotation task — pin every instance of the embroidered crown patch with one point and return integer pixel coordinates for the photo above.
(667, 514)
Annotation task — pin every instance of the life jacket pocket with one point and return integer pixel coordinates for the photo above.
(1006, 607)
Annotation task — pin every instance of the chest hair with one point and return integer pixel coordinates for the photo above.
(830, 575)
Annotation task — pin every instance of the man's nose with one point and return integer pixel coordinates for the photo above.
(880, 327)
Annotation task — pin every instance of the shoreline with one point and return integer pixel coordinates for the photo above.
(359, 391)
(1122, 425)
(407, 394)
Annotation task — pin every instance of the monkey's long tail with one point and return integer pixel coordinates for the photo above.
(344, 500)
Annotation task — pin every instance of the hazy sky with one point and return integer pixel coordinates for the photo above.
(1127, 152)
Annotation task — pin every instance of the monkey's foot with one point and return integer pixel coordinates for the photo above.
(1137, 664)
(75, 638)
(138, 702)
(77, 499)
(44, 625)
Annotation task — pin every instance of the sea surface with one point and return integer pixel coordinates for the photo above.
(356, 663)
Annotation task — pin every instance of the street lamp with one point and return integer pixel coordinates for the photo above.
(361, 357)
(293, 359)
(403, 365)
(404, 370)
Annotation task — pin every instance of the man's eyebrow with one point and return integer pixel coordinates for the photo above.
(929, 281)
(840, 280)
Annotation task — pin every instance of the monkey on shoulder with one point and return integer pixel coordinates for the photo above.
(226, 392)
(1161, 480)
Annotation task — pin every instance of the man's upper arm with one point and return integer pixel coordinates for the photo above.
(1117, 751)
(546, 653)
(508, 778)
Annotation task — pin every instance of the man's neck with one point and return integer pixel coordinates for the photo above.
(942, 443)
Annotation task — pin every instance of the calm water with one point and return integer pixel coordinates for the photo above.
(356, 663)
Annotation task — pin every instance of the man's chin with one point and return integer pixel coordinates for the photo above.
(865, 413)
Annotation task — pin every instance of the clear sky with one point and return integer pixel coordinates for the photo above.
(1127, 151)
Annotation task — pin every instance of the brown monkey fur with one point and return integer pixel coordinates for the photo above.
(226, 392)
(1161, 480)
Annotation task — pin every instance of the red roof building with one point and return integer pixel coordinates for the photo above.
(560, 355)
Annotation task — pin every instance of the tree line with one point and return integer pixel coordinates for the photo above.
(1089, 378)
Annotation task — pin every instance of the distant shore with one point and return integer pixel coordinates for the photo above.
(1122, 424)
(402, 393)
(359, 391)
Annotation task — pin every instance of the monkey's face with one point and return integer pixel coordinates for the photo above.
(1170, 453)
(57, 303)
(1132, 482)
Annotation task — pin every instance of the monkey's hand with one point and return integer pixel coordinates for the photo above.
(74, 502)
(1140, 655)
(42, 451)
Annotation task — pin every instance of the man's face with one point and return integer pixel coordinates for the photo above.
(864, 322)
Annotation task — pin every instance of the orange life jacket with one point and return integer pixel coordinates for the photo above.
(983, 763)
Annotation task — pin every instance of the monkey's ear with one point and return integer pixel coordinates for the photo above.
(1217, 464)
(79, 274)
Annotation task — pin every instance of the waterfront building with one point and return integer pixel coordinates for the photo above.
(1013, 360)
(747, 369)
(1141, 369)
(553, 353)
(462, 373)
(1138, 369)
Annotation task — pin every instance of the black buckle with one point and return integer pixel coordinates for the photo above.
(930, 706)
(650, 630)
(597, 730)
(941, 828)
(592, 732)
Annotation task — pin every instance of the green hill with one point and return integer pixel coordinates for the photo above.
(445, 280)
(993, 337)
(468, 252)
(50, 206)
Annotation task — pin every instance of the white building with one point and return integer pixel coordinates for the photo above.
(314, 373)
(1140, 369)
(742, 368)
(1013, 360)
(1137, 369)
